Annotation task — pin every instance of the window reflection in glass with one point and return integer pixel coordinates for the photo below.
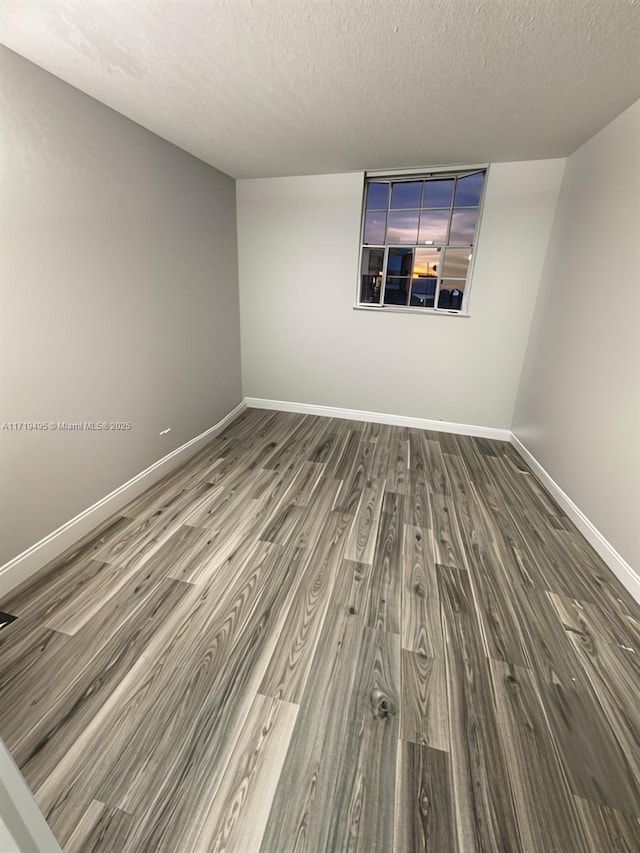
(456, 263)
(371, 275)
(423, 291)
(377, 196)
(426, 262)
(400, 261)
(403, 226)
(469, 190)
(463, 226)
(406, 195)
(375, 225)
(434, 225)
(438, 193)
(451, 294)
(396, 291)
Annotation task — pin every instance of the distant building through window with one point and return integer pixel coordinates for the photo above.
(418, 238)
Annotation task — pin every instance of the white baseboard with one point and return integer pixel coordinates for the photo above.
(379, 418)
(618, 565)
(30, 561)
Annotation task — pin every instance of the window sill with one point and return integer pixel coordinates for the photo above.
(387, 309)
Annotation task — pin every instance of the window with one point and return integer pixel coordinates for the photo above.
(418, 238)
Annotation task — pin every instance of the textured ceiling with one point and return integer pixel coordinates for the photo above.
(284, 87)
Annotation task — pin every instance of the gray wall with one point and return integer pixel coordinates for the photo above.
(302, 340)
(119, 298)
(578, 409)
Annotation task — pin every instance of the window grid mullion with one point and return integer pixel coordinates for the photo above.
(437, 293)
(413, 264)
(384, 273)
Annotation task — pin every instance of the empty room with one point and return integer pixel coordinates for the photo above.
(320, 426)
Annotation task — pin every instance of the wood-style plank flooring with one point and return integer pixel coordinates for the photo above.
(322, 635)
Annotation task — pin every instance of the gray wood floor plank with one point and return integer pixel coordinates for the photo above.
(424, 821)
(475, 462)
(44, 680)
(396, 474)
(545, 811)
(208, 704)
(460, 669)
(102, 586)
(363, 817)
(66, 713)
(384, 602)
(594, 762)
(120, 729)
(434, 466)
(288, 670)
(74, 781)
(354, 477)
(514, 555)
(600, 583)
(339, 774)
(351, 590)
(371, 430)
(418, 458)
(341, 463)
(300, 817)
(286, 516)
(490, 579)
(448, 550)
(417, 510)
(500, 616)
(184, 546)
(424, 713)
(606, 830)
(364, 530)
(323, 450)
(536, 535)
(60, 581)
(27, 657)
(297, 446)
(101, 828)
(599, 622)
(614, 675)
(484, 815)
(142, 538)
(381, 455)
(547, 649)
(238, 813)
(421, 625)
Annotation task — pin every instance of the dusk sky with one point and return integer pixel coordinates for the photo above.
(417, 211)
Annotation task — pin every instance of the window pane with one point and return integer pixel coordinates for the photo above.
(396, 291)
(374, 227)
(371, 276)
(438, 193)
(406, 194)
(463, 226)
(434, 225)
(468, 190)
(451, 293)
(426, 263)
(456, 263)
(400, 262)
(423, 291)
(403, 226)
(377, 196)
